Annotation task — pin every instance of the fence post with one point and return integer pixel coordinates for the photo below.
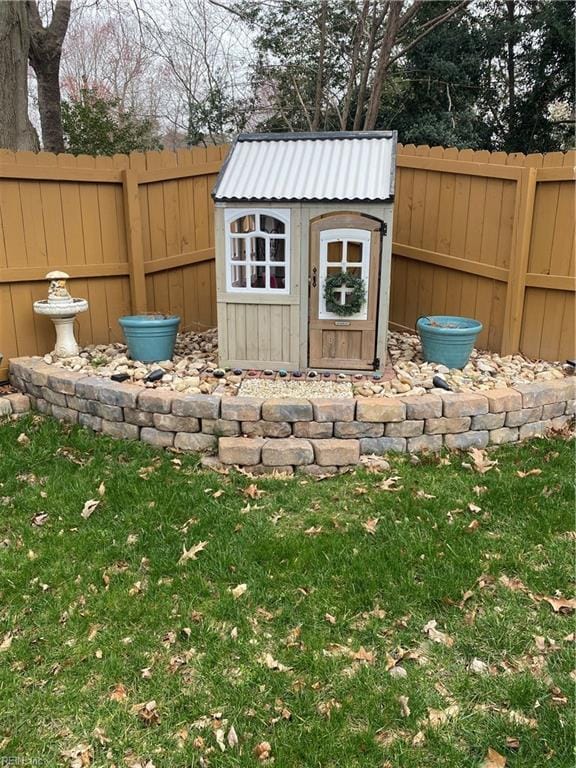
(516, 286)
(133, 224)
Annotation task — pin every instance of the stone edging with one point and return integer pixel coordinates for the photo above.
(317, 435)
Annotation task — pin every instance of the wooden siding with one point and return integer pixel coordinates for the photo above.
(134, 232)
(475, 233)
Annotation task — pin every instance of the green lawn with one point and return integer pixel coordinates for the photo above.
(98, 618)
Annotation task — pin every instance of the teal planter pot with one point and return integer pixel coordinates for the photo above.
(150, 338)
(447, 339)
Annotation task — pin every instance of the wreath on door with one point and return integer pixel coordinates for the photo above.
(355, 298)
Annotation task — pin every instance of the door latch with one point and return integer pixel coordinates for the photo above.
(376, 363)
(314, 272)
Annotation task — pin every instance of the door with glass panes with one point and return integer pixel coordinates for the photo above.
(343, 339)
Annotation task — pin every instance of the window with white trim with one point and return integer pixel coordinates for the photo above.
(258, 250)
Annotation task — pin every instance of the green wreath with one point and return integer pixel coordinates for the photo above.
(356, 299)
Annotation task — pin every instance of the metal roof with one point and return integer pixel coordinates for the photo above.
(349, 166)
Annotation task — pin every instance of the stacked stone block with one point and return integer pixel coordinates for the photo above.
(279, 435)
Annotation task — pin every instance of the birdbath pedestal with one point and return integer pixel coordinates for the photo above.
(62, 309)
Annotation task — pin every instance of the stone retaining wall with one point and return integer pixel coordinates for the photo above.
(317, 436)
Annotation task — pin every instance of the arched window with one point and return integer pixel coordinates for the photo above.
(258, 250)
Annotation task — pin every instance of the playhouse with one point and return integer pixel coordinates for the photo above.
(303, 246)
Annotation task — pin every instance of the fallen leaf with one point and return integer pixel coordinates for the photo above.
(39, 519)
(219, 736)
(404, 708)
(23, 439)
(519, 473)
(272, 663)
(419, 739)
(474, 508)
(436, 635)
(480, 489)
(79, 756)
(559, 604)
(190, 554)
(6, 641)
(512, 742)
(89, 507)
(147, 712)
(119, 693)
(263, 750)
(421, 494)
(478, 667)
(437, 717)
(253, 491)
(370, 525)
(390, 484)
(329, 618)
(232, 737)
(239, 590)
(313, 531)
(101, 489)
(480, 462)
(473, 526)
(325, 708)
(493, 759)
(363, 655)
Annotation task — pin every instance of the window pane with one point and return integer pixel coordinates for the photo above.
(271, 225)
(354, 252)
(238, 277)
(258, 277)
(257, 248)
(354, 271)
(243, 224)
(277, 278)
(237, 248)
(277, 250)
(335, 251)
(331, 271)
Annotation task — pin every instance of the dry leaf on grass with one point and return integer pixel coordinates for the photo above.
(313, 531)
(438, 717)
(493, 759)
(89, 507)
(436, 635)
(404, 708)
(421, 494)
(269, 661)
(480, 462)
(325, 708)
(371, 524)
(190, 554)
(79, 756)
(119, 693)
(263, 751)
(239, 590)
(232, 737)
(252, 491)
(390, 484)
(519, 473)
(6, 641)
(23, 439)
(559, 604)
(147, 712)
(329, 618)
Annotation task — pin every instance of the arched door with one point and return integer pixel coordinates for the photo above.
(347, 243)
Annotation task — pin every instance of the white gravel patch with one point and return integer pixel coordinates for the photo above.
(278, 388)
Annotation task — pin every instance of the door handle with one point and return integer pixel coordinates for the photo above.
(314, 271)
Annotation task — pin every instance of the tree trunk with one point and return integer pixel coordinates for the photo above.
(45, 52)
(320, 73)
(388, 40)
(16, 130)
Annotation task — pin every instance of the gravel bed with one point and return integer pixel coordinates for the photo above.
(194, 369)
(281, 388)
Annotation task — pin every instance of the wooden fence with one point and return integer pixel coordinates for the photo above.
(135, 232)
(487, 235)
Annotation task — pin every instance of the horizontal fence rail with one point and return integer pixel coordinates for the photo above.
(476, 233)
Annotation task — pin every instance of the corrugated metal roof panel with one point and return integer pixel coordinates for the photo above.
(327, 166)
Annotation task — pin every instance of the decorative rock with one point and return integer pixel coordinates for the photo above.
(262, 469)
(210, 462)
(155, 375)
(334, 452)
(542, 394)
(56, 398)
(5, 407)
(88, 387)
(552, 410)
(523, 416)
(18, 402)
(570, 408)
(444, 425)
(380, 445)
(408, 428)
(357, 429)
(282, 373)
(200, 406)
(380, 409)
(241, 408)
(156, 437)
(501, 400)
(316, 471)
(120, 430)
(64, 382)
(287, 409)
(503, 435)
(221, 427)
(424, 444)
(488, 421)
(45, 407)
(333, 410)
(561, 422)
(463, 404)
(290, 450)
(309, 429)
(266, 428)
(237, 371)
(167, 422)
(467, 440)
(219, 373)
(422, 406)
(125, 395)
(240, 450)
(78, 403)
(109, 412)
(195, 441)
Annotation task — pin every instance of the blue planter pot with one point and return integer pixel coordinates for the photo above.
(150, 338)
(447, 339)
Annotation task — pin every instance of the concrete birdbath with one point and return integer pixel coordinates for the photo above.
(62, 309)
